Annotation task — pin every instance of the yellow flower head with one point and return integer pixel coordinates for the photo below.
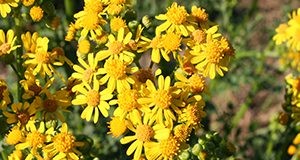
(117, 126)
(28, 3)
(199, 14)
(15, 136)
(182, 132)
(84, 47)
(71, 32)
(281, 34)
(192, 115)
(176, 20)
(94, 6)
(36, 13)
(116, 47)
(117, 23)
(20, 113)
(16, 154)
(63, 145)
(93, 100)
(7, 43)
(6, 5)
(195, 83)
(117, 74)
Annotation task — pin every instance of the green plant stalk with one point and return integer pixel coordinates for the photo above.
(69, 7)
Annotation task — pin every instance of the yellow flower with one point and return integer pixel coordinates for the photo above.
(71, 32)
(127, 104)
(171, 43)
(155, 44)
(117, 23)
(16, 155)
(164, 149)
(199, 14)
(213, 56)
(294, 82)
(5, 6)
(93, 100)
(20, 113)
(192, 114)
(163, 101)
(53, 104)
(28, 3)
(32, 86)
(84, 47)
(35, 139)
(195, 83)
(29, 41)
(182, 132)
(176, 20)
(4, 95)
(7, 43)
(36, 13)
(95, 6)
(63, 145)
(15, 136)
(145, 132)
(116, 47)
(91, 23)
(117, 126)
(116, 77)
(87, 71)
(41, 60)
(281, 34)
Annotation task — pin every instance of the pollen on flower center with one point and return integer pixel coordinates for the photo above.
(87, 74)
(36, 13)
(35, 139)
(63, 142)
(176, 14)
(162, 99)
(117, 126)
(155, 43)
(91, 21)
(115, 68)
(171, 41)
(42, 57)
(4, 48)
(93, 98)
(116, 47)
(144, 133)
(199, 36)
(196, 83)
(169, 147)
(127, 100)
(14, 136)
(194, 114)
(214, 52)
(23, 117)
(50, 105)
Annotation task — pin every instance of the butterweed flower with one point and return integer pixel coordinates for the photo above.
(6, 5)
(28, 3)
(117, 23)
(20, 113)
(117, 126)
(63, 145)
(29, 41)
(15, 136)
(36, 13)
(7, 43)
(4, 95)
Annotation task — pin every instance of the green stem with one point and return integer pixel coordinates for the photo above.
(16, 71)
(69, 7)
(3, 155)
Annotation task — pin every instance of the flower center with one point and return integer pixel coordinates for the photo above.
(169, 147)
(182, 132)
(23, 117)
(128, 100)
(4, 48)
(84, 46)
(214, 52)
(144, 133)
(176, 14)
(116, 47)
(2, 89)
(196, 83)
(117, 126)
(90, 21)
(115, 68)
(155, 42)
(199, 36)
(171, 41)
(162, 99)
(144, 74)
(35, 139)
(199, 14)
(194, 114)
(93, 98)
(35, 89)
(36, 13)
(50, 105)
(15, 136)
(93, 6)
(28, 2)
(42, 57)
(117, 23)
(87, 75)
(63, 142)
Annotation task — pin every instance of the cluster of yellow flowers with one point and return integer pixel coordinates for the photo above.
(289, 34)
(153, 112)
